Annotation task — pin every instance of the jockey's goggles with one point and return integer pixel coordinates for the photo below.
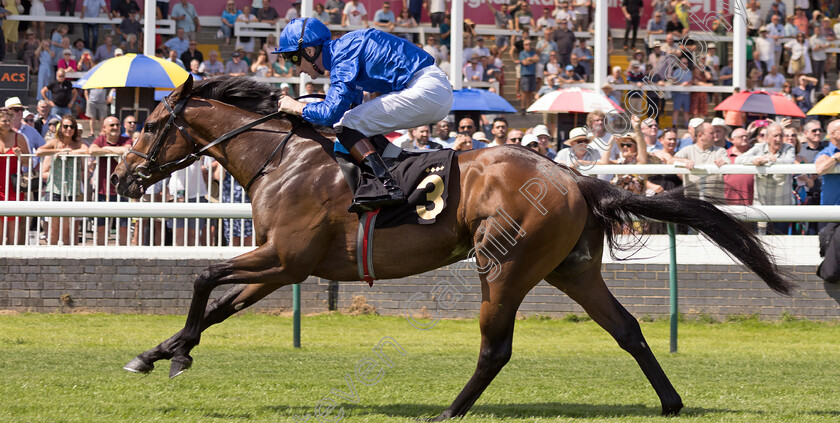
(295, 56)
(292, 57)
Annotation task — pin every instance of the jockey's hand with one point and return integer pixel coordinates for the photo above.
(289, 105)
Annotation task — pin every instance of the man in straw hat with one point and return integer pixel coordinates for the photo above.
(579, 153)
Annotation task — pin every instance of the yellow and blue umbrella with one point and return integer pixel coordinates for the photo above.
(134, 70)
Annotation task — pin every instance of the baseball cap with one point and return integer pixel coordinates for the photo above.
(118, 52)
(528, 139)
(570, 67)
(540, 130)
(480, 136)
(285, 85)
(634, 63)
(719, 122)
(14, 103)
(762, 29)
(236, 54)
(693, 123)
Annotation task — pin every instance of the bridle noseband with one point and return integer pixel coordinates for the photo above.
(144, 171)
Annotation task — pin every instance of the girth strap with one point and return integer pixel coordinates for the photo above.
(364, 246)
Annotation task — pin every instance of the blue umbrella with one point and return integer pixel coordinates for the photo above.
(469, 99)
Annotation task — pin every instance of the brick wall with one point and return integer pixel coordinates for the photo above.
(165, 287)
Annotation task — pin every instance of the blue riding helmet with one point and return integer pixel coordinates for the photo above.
(300, 33)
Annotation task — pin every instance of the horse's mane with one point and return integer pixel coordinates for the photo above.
(244, 93)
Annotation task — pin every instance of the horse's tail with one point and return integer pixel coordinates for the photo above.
(612, 205)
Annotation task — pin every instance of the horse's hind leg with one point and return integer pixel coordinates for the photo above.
(237, 298)
(589, 290)
(496, 323)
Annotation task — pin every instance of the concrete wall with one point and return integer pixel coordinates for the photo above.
(156, 286)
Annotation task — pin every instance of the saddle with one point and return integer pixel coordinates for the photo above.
(423, 175)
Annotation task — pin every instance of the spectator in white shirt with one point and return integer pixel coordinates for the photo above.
(354, 14)
(766, 47)
(435, 50)
(473, 71)
(546, 21)
(293, 12)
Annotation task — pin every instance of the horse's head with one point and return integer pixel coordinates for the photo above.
(160, 150)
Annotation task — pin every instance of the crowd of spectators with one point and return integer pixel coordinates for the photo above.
(709, 143)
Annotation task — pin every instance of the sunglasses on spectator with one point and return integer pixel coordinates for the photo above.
(30, 120)
(814, 131)
(465, 127)
(516, 139)
(130, 122)
(627, 144)
(534, 145)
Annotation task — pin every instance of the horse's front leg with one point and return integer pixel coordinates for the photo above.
(235, 299)
(262, 265)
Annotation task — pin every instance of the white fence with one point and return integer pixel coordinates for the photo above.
(204, 206)
(69, 200)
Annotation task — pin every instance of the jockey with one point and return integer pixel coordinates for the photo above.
(411, 91)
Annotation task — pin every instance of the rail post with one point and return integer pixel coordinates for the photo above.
(672, 285)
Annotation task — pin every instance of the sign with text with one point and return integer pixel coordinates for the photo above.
(14, 81)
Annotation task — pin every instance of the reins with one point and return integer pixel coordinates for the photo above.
(145, 171)
(279, 147)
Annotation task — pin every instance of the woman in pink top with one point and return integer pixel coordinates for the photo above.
(67, 62)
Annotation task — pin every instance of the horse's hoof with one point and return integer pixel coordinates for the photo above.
(443, 416)
(179, 365)
(139, 366)
(673, 410)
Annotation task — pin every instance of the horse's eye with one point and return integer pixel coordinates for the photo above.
(147, 127)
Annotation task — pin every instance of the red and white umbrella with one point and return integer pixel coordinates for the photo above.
(574, 100)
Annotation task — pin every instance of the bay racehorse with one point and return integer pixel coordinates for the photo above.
(299, 201)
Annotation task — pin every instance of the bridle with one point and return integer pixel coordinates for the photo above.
(144, 171)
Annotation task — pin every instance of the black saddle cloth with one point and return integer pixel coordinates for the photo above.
(422, 175)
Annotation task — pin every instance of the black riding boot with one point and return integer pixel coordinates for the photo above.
(395, 195)
(364, 153)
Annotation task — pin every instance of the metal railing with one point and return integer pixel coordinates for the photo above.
(69, 200)
(163, 26)
(204, 206)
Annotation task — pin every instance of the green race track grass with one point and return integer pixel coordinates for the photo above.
(68, 368)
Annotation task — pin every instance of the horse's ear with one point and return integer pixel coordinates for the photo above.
(184, 90)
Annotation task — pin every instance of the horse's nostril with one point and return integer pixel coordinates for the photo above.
(115, 179)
